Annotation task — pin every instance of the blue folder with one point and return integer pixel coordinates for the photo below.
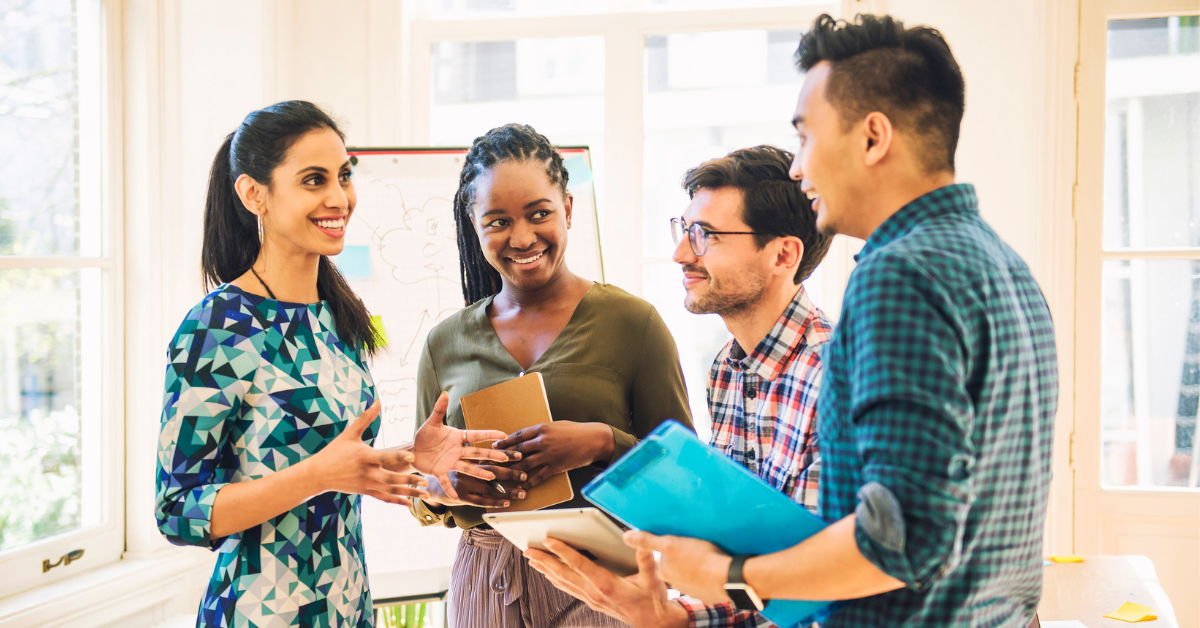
(671, 483)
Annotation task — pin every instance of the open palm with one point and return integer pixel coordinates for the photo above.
(440, 449)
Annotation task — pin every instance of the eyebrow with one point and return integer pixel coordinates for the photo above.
(528, 206)
(321, 169)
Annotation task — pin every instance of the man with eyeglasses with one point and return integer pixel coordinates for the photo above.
(745, 243)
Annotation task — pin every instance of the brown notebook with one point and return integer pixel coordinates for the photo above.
(508, 407)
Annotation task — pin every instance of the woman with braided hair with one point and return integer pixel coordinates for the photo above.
(610, 366)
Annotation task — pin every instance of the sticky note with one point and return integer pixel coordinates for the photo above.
(577, 171)
(355, 261)
(1131, 612)
(1063, 558)
(380, 333)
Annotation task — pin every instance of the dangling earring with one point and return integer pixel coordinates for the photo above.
(260, 233)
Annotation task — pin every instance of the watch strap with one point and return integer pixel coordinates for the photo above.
(735, 569)
(744, 597)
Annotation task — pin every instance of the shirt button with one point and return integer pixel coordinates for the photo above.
(750, 454)
(751, 392)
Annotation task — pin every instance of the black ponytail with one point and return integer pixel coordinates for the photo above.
(511, 142)
(231, 243)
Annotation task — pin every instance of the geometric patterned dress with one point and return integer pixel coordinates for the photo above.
(255, 385)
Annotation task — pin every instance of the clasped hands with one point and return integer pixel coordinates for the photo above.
(537, 452)
(349, 465)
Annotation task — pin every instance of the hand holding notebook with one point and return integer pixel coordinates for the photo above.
(509, 407)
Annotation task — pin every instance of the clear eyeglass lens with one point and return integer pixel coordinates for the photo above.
(699, 242)
(677, 230)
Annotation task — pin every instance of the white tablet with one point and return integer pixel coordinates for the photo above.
(585, 529)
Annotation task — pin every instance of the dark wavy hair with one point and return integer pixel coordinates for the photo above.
(772, 203)
(231, 243)
(908, 74)
(511, 142)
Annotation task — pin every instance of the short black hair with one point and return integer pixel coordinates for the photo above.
(772, 203)
(908, 74)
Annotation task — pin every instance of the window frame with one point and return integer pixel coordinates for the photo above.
(98, 28)
(1101, 512)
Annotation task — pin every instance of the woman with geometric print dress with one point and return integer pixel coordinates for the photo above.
(270, 410)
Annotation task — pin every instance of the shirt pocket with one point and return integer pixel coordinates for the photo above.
(587, 393)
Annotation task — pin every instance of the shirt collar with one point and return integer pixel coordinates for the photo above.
(958, 198)
(775, 351)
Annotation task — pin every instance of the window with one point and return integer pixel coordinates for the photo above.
(1151, 242)
(457, 9)
(60, 490)
(651, 87)
(1136, 246)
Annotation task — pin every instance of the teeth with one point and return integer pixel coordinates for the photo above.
(337, 223)
(528, 260)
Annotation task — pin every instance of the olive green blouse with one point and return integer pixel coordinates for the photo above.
(614, 363)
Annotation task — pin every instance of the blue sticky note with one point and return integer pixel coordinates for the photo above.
(355, 261)
(578, 171)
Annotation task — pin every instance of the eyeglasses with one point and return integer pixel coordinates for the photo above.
(698, 236)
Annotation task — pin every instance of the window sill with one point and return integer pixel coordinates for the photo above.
(112, 593)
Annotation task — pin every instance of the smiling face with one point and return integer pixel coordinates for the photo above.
(733, 274)
(310, 199)
(825, 162)
(522, 218)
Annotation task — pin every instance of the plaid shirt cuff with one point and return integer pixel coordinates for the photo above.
(701, 615)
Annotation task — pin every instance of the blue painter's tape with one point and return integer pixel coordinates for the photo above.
(355, 261)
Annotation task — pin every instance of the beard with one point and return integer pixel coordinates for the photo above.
(726, 298)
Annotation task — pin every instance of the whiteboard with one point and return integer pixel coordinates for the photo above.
(401, 258)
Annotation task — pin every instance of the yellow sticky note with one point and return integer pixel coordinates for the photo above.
(1062, 558)
(1131, 612)
(380, 334)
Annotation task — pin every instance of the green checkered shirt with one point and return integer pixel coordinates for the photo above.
(937, 417)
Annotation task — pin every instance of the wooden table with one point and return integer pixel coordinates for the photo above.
(1101, 584)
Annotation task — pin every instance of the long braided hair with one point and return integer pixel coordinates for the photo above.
(511, 142)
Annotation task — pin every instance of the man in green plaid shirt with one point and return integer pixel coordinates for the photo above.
(941, 385)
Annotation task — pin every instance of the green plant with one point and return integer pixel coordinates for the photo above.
(39, 495)
(404, 616)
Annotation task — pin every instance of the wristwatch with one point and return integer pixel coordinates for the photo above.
(744, 597)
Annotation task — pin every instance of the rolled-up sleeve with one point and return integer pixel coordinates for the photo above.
(207, 381)
(912, 420)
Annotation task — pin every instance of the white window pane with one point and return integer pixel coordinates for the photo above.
(706, 95)
(474, 9)
(1152, 134)
(555, 85)
(1151, 377)
(39, 96)
(43, 359)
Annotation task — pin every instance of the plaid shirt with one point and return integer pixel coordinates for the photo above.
(937, 419)
(764, 407)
